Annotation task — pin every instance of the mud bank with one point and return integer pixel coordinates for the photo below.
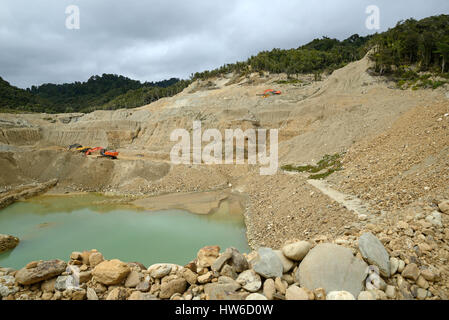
(199, 202)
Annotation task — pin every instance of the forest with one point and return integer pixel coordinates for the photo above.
(412, 53)
(108, 91)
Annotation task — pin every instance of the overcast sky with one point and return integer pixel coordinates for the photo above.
(159, 39)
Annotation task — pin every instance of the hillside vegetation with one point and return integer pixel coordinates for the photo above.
(99, 92)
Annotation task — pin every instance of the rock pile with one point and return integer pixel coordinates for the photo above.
(8, 242)
(299, 271)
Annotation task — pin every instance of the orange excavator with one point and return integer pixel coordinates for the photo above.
(270, 92)
(112, 154)
(90, 151)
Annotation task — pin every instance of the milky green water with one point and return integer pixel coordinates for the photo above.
(51, 227)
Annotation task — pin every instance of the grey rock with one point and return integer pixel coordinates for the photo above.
(238, 261)
(221, 260)
(374, 253)
(161, 271)
(268, 264)
(64, 282)
(249, 280)
(286, 263)
(228, 271)
(333, 268)
(8, 280)
(5, 291)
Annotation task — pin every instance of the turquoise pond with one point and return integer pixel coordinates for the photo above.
(51, 227)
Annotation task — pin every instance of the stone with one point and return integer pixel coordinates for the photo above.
(168, 289)
(394, 265)
(133, 279)
(444, 206)
(160, 271)
(435, 219)
(280, 285)
(229, 271)
(269, 289)
(8, 280)
(76, 256)
(57, 295)
(401, 266)
(205, 278)
(85, 276)
(137, 295)
(117, 294)
(238, 261)
(190, 276)
(144, 286)
(421, 294)
(47, 296)
(5, 291)
(48, 285)
(43, 270)
(333, 268)
(224, 289)
(221, 260)
(8, 242)
(268, 264)
(296, 251)
(249, 280)
(256, 296)
(378, 294)
(111, 272)
(85, 256)
(78, 294)
(91, 294)
(95, 259)
(390, 291)
(366, 295)
(320, 294)
(428, 275)
(374, 253)
(339, 295)
(421, 282)
(191, 266)
(207, 256)
(296, 293)
(411, 271)
(64, 282)
(287, 264)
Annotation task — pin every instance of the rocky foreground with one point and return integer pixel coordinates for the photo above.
(301, 270)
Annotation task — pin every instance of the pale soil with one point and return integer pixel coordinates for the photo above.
(395, 166)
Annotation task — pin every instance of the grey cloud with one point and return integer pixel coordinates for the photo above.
(154, 40)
